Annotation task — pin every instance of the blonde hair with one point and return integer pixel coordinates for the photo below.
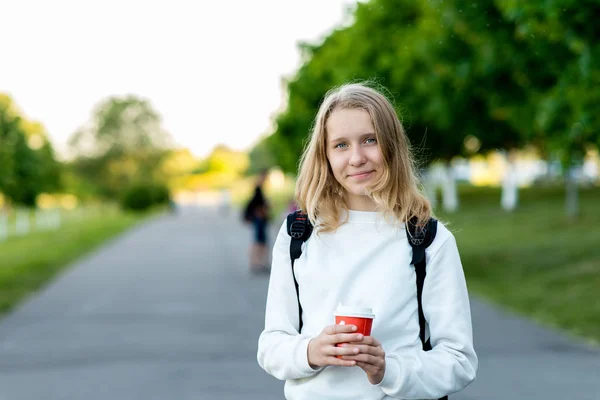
(396, 193)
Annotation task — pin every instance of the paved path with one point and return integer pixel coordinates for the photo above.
(168, 311)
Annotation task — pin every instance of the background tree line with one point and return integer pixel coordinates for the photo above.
(466, 77)
(500, 74)
(122, 147)
(122, 153)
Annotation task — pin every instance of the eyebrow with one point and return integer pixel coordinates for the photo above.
(342, 138)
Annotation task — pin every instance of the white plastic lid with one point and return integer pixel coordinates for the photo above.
(353, 311)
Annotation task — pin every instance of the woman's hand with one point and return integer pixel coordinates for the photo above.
(322, 350)
(371, 358)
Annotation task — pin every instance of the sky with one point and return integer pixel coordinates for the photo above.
(212, 69)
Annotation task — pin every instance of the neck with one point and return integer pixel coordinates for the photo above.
(361, 203)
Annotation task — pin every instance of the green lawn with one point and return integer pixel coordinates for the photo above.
(28, 262)
(534, 260)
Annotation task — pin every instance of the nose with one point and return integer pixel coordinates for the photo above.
(357, 158)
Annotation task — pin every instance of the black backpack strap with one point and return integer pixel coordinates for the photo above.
(419, 238)
(299, 228)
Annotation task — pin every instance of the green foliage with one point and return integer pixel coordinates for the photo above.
(506, 72)
(142, 196)
(562, 37)
(27, 162)
(261, 158)
(223, 159)
(221, 169)
(122, 143)
(121, 125)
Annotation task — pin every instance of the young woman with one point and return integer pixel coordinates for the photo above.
(357, 184)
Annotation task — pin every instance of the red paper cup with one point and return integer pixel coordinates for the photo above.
(361, 317)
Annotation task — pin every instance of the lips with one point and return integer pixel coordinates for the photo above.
(361, 175)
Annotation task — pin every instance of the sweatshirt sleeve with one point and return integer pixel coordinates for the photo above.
(282, 350)
(451, 364)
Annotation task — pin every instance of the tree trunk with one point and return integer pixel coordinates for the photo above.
(22, 222)
(440, 176)
(449, 191)
(572, 194)
(430, 185)
(510, 188)
(3, 225)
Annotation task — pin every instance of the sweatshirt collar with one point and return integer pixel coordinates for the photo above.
(363, 216)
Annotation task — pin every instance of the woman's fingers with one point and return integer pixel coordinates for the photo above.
(342, 334)
(341, 362)
(335, 329)
(364, 358)
(368, 368)
(345, 338)
(354, 348)
(345, 351)
(368, 340)
(365, 349)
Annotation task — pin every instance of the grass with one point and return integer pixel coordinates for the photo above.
(534, 260)
(28, 262)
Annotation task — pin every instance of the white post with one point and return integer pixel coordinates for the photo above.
(441, 175)
(39, 219)
(56, 219)
(430, 186)
(22, 224)
(3, 226)
(572, 193)
(510, 187)
(450, 199)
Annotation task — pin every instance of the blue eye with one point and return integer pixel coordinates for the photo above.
(371, 141)
(339, 145)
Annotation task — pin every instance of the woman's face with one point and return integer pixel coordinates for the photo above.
(354, 155)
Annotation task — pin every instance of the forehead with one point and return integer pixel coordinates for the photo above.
(348, 122)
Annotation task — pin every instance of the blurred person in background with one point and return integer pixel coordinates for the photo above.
(256, 213)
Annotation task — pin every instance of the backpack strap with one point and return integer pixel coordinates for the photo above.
(299, 228)
(419, 238)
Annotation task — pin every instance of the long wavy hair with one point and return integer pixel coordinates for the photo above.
(396, 193)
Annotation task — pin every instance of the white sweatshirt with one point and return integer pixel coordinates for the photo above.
(366, 263)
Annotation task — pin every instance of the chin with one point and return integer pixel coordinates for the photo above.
(357, 191)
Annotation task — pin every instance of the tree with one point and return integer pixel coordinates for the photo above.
(498, 74)
(27, 162)
(123, 142)
(121, 125)
(9, 136)
(261, 157)
(562, 36)
(394, 43)
(224, 160)
(485, 90)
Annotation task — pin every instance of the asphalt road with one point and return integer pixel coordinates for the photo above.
(169, 311)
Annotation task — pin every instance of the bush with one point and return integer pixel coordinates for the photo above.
(142, 196)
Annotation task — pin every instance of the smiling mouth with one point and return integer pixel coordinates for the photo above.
(360, 175)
